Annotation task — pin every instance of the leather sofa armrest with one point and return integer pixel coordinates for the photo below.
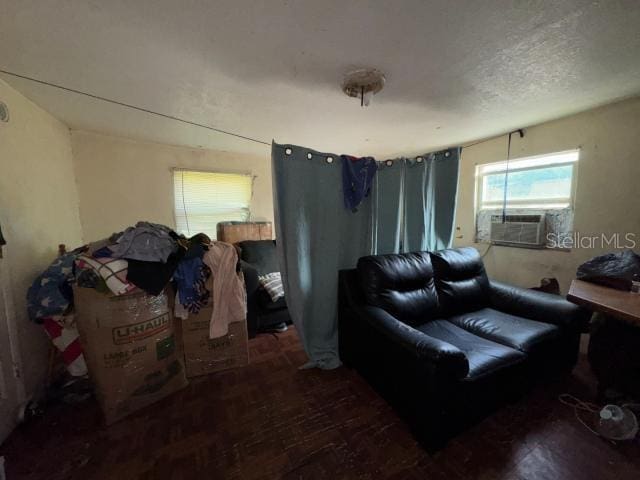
(250, 277)
(442, 355)
(540, 306)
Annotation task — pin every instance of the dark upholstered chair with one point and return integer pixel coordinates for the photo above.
(443, 343)
(259, 257)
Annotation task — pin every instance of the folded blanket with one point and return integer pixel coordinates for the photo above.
(272, 283)
(112, 270)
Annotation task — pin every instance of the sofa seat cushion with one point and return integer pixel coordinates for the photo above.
(484, 356)
(265, 302)
(515, 332)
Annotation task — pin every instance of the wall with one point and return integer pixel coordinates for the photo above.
(121, 181)
(606, 197)
(38, 211)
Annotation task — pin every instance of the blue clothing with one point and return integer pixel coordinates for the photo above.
(51, 293)
(191, 276)
(186, 276)
(104, 252)
(357, 178)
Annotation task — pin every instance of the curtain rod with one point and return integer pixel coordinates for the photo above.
(331, 157)
(134, 107)
(517, 130)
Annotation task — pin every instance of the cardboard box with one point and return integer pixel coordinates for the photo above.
(203, 355)
(234, 232)
(130, 347)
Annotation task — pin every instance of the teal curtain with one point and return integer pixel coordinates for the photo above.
(429, 200)
(317, 236)
(386, 210)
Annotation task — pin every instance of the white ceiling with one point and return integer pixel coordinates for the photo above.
(456, 70)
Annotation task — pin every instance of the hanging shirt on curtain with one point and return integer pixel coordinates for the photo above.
(357, 178)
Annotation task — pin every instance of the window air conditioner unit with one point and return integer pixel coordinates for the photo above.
(518, 230)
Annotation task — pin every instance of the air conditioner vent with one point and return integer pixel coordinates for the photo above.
(518, 230)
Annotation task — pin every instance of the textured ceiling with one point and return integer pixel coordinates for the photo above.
(456, 70)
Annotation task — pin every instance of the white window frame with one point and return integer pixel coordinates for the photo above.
(556, 159)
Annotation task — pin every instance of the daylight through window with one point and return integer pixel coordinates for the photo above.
(203, 199)
(544, 181)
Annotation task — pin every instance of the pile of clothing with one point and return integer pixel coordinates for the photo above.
(145, 257)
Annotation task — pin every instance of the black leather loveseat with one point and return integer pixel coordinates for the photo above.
(443, 343)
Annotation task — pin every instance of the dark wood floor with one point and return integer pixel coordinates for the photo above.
(269, 421)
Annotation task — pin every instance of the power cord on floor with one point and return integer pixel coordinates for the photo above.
(578, 405)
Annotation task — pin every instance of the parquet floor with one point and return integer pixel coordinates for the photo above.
(271, 421)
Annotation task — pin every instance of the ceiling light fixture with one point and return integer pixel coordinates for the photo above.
(363, 84)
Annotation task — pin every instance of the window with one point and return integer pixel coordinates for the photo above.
(203, 199)
(542, 182)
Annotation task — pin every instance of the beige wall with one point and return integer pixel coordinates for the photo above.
(38, 211)
(608, 187)
(121, 181)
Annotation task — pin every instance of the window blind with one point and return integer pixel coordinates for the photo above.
(203, 199)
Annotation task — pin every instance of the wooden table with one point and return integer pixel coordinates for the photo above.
(618, 303)
(614, 342)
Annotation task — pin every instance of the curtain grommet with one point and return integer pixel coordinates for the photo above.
(389, 163)
(287, 151)
(309, 156)
(419, 159)
(447, 153)
(329, 159)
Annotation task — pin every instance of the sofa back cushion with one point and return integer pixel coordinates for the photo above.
(260, 254)
(401, 284)
(460, 279)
